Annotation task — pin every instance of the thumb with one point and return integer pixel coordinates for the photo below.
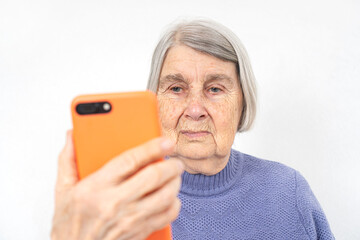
(67, 170)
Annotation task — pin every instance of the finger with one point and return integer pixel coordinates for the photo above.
(141, 230)
(152, 204)
(67, 170)
(129, 162)
(164, 218)
(159, 200)
(150, 179)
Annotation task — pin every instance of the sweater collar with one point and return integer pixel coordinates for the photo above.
(201, 185)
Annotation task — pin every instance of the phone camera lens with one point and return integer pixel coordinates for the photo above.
(106, 107)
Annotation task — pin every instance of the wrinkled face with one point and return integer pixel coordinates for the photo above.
(200, 103)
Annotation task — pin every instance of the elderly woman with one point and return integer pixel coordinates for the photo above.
(206, 93)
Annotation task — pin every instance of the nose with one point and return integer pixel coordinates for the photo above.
(195, 110)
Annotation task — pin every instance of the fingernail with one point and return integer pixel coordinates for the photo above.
(166, 144)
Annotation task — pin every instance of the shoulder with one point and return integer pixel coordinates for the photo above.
(310, 211)
(284, 181)
(267, 171)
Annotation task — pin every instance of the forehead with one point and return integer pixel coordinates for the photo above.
(187, 62)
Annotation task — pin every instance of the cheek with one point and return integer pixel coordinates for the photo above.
(170, 111)
(226, 117)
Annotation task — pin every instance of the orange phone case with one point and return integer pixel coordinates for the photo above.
(98, 138)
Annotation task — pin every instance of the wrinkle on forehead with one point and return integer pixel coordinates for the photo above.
(201, 64)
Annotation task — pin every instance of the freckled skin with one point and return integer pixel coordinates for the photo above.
(198, 104)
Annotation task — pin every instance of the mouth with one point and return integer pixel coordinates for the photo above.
(195, 134)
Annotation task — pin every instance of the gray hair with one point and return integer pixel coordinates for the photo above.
(214, 39)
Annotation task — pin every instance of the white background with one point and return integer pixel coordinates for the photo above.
(305, 55)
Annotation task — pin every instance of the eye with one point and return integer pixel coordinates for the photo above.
(215, 90)
(176, 89)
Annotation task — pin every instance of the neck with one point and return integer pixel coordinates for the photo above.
(206, 166)
(203, 185)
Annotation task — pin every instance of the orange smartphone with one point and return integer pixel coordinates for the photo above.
(105, 125)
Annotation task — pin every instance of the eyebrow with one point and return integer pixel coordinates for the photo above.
(209, 78)
(171, 78)
(216, 77)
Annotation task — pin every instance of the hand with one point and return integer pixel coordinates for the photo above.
(128, 198)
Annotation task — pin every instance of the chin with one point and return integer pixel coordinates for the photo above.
(196, 150)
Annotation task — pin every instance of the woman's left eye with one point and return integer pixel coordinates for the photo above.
(215, 90)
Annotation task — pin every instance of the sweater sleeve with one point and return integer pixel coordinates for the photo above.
(311, 214)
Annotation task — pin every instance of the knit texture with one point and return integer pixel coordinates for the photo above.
(249, 199)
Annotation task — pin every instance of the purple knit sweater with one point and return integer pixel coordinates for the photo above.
(249, 199)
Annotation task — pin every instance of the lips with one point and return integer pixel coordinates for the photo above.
(195, 134)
